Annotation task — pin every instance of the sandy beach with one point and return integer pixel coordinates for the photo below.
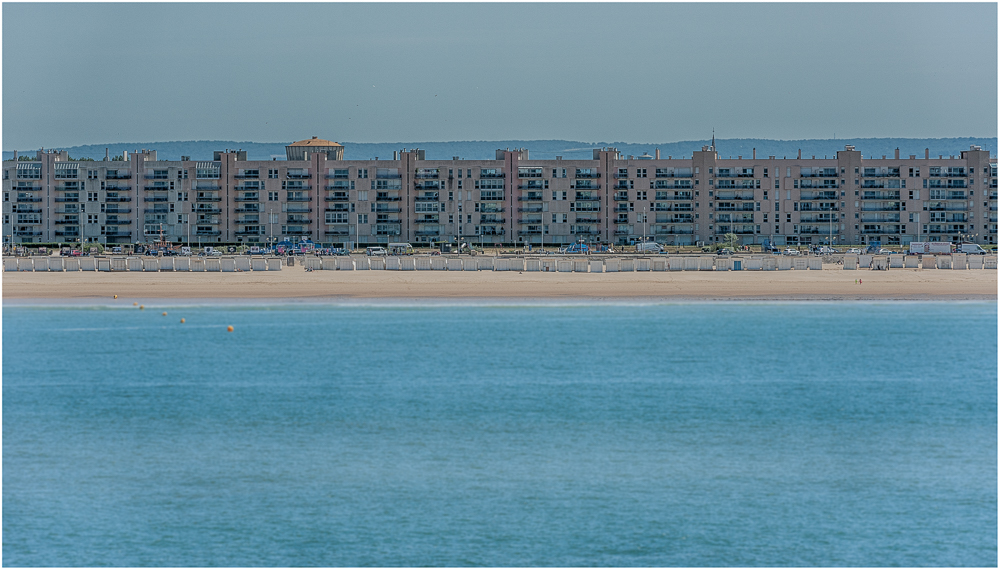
(296, 283)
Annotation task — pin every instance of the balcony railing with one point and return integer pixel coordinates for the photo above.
(530, 209)
(428, 233)
(880, 195)
(207, 211)
(26, 233)
(28, 199)
(110, 199)
(298, 176)
(303, 221)
(433, 198)
(298, 199)
(531, 197)
(337, 232)
(208, 199)
(64, 222)
(207, 232)
(248, 198)
(720, 195)
(118, 176)
(155, 199)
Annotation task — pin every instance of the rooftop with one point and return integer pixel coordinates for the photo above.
(315, 142)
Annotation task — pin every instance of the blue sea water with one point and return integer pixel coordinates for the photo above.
(710, 434)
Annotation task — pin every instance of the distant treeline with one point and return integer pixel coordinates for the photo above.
(549, 149)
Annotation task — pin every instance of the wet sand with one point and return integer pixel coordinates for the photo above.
(833, 283)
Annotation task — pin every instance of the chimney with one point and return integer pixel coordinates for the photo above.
(657, 154)
(395, 155)
(927, 153)
(755, 153)
(800, 154)
(106, 154)
(897, 152)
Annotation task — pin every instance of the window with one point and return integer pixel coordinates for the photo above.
(622, 173)
(272, 172)
(363, 195)
(91, 196)
(641, 195)
(272, 196)
(362, 173)
(640, 172)
(362, 218)
(765, 173)
(91, 218)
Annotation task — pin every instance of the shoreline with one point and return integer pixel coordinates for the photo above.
(294, 285)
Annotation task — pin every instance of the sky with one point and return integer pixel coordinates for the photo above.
(86, 73)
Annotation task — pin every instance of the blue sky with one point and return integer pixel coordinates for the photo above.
(92, 73)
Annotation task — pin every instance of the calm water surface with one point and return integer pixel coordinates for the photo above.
(713, 434)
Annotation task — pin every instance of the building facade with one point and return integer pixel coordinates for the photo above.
(513, 200)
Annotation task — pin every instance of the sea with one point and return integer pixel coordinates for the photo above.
(412, 433)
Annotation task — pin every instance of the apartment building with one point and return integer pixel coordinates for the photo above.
(315, 194)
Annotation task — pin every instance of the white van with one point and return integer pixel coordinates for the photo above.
(648, 247)
(971, 248)
(375, 251)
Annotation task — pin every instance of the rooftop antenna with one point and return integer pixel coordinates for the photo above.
(713, 138)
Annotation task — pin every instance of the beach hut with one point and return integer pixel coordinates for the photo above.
(515, 264)
(311, 262)
(851, 261)
(406, 264)
(532, 264)
(627, 265)
(596, 266)
(56, 264)
(959, 261)
(439, 263)
(274, 263)
(753, 264)
(167, 263)
(548, 265)
(896, 260)
(990, 262)
(103, 264)
(228, 264)
(911, 261)
(150, 264)
(784, 263)
(815, 263)
(724, 264)
(213, 264)
(975, 261)
(182, 263)
(564, 266)
(706, 263)
(486, 263)
(581, 266)
(25, 264)
(642, 264)
(345, 264)
(72, 264)
(243, 263)
(470, 264)
(944, 262)
(800, 263)
(660, 264)
(40, 263)
(612, 265)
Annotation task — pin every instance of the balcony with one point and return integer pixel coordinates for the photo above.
(68, 199)
(486, 220)
(880, 207)
(117, 188)
(207, 210)
(207, 232)
(28, 199)
(491, 232)
(880, 195)
(818, 196)
(530, 187)
(156, 211)
(427, 175)
(433, 185)
(303, 221)
(246, 176)
(118, 233)
(386, 198)
(531, 197)
(428, 220)
(208, 199)
(868, 218)
(379, 209)
(890, 173)
(427, 198)
(587, 175)
(248, 198)
(118, 176)
(249, 233)
(530, 209)
(297, 176)
(585, 232)
(529, 220)
(493, 175)
(587, 196)
(163, 188)
(26, 233)
(666, 231)
(298, 210)
(621, 208)
(337, 232)
(587, 186)
(819, 230)
(877, 229)
(64, 222)
(829, 218)
(589, 220)
(832, 173)
(528, 232)
(248, 220)
(674, 196)
(821, 207)
(720, 195)
(298, 199)
(748, 207)
(118, 221)
(111, 199)
(428, 233)
(67, 233)
(620, 196)
(247, 210)
(39, 211)
(945, 207)
(675, 220)
(338, 197)
(392, 222)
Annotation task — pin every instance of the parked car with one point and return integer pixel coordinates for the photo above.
(791, 251)
(648, 247)
(724, 251)
(854, 250)
(375, 251)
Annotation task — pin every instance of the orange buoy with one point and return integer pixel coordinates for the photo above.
(141, 307)
(229, 328)
(182, 321)
(116, 296)
(134, 304)
(164, 313)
